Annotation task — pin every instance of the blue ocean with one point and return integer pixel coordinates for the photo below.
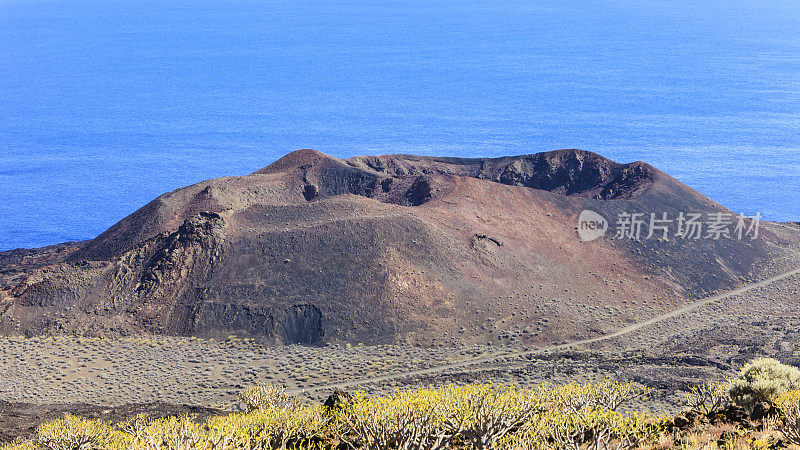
(105, 104)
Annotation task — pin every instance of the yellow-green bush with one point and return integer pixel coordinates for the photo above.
(269, 427)
(265, 428)
(477, 416)
(605, 394)
(708, 396)
(763, 380)
(435, 418)
(481, 416)
(262, 429)
(585, 415)
(789, 405)
(74, 433)
(174, 433)
(594, 429)
(403, 420)
(487, 413)
(267, 395)
(18, 446)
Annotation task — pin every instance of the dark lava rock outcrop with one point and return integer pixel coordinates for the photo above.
(314, 249)
(568, 172)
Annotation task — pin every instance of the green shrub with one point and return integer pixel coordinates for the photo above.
(763, 380)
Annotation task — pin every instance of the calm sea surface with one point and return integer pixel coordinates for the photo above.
(105, 104)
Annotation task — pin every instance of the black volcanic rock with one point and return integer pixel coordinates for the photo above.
(568, 172)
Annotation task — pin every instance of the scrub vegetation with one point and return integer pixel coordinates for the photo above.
(747, 412)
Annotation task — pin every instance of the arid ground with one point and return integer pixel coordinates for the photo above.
(42, 377)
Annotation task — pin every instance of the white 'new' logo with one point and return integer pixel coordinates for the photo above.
(591, 225)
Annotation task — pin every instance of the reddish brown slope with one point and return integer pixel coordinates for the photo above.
(379, 249)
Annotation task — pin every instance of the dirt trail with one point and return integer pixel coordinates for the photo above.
(629, 329)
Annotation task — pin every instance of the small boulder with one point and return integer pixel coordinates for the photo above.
(338, 400)
(763, 410)
(735, 414)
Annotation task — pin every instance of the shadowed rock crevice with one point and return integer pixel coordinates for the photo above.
(302, 324)
(310, 192)
(419, 192)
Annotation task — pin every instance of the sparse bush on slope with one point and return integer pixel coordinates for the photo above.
(762, 381)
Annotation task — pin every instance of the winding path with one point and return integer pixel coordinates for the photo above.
(620, 332)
